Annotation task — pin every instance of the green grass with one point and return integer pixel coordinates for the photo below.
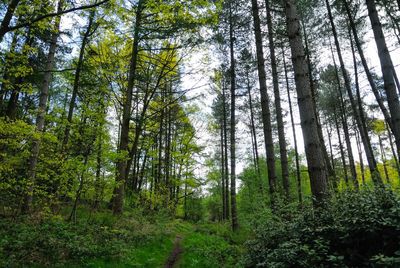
(151, 254)
(101, 240)
(209, 245)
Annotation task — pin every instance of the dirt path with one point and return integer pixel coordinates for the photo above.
(175, 254)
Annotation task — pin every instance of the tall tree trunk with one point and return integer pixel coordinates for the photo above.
(80, 188)
(78, 72)
(222, 172)
(227, 205)
(315, 158)
(254, 134)
(97, 182)
(364, 135)
(141, 172)
(360, 156)
(329, 131)
(331, 171)
(6, 75)
(118, 199)
(367, 71)
(5, 24)
(168, 153)
(383, 157)
(266, 113)
(343, 117)
(12, 105)
(235, 224)
(278, 107)
(342, 156)
(40, 118)
(297, 160)
(396, 160)
(387, 71)
(394, 22)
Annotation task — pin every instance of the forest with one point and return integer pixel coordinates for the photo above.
(199, 133)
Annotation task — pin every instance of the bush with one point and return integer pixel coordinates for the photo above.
(353, 229)
(102, 237)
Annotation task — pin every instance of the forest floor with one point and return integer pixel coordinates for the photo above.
(101, 240)
(174, 257)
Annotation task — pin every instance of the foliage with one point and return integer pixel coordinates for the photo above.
(352, 229)
(210, 245)
(98, 238)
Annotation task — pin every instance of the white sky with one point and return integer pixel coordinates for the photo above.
(200, 66)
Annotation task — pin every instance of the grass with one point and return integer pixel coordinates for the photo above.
(210, 245)
(102, 240)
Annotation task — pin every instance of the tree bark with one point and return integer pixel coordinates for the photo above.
(118, 199)
(254, 134)
(360, 157)
(227, 206)
(266, 113)
(222, 172)
(78, 71)
(278, 107)
(383, 157)
(5, 24)
(364, 135)
(235, 224)
(342, 156)
(41, 112)
(387, 71)
(297, 160)
(330, 169)
(367, 71)
(329, 131)
(315, 158)
(6, 75)
(343, 117)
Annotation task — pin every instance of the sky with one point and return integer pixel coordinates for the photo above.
(201, 70)
(198, 68)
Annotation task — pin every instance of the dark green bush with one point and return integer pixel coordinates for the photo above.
(354, 229)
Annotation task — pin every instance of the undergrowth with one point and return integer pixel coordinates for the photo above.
(354, 229)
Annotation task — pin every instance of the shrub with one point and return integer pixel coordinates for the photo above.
(353, 229)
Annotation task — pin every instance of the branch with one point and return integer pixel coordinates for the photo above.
(55, 14)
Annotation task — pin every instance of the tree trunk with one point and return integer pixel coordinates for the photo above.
(278, 107)
(227, 200)
(235, 224)
(8, 63)
(387, 71)
(77, 79)
(12, 106)
(343, 117)
(383, 157)
(5, 24)
(342, 156)
(329, 131)
(266, 114)
(331, 171)
(97, 182)
(80, 188)
(364, 136)
(298, 171)
(371, 81)
(254, 134)
(41, 112)
(222, 172)
(118, 199)
(396, 160)
(315, 158)
(360, 156)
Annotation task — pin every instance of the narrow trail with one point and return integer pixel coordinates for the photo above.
(175, 253)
